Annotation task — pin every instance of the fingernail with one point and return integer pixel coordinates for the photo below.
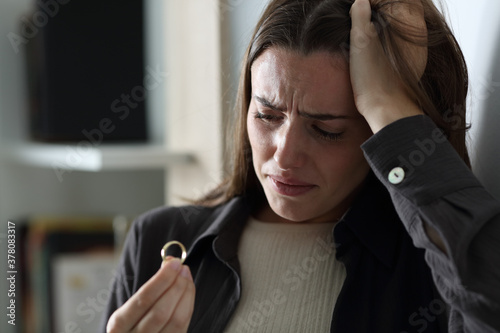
(175, 264)
(186, 273)
(166, 260)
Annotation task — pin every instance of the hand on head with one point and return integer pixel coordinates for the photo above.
(380, 95)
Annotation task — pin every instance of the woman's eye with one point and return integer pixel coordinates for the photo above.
(329, 136)
(322, 134)
(266, 117)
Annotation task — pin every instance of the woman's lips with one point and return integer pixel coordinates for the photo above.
(290, 187)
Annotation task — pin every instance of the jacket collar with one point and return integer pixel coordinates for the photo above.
(227, 222)
(373, 221)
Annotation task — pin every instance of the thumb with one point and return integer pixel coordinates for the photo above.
(167, 259)
(363, 30)
(361, 13)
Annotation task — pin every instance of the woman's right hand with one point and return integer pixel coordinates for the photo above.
(163, 304)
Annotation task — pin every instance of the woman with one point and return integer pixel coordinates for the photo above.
(415, 236)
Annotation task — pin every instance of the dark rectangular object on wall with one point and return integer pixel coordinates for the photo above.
(86, 70)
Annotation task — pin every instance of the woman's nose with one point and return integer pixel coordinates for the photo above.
(290, 150)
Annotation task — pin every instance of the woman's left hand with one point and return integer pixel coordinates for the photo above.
(378, 93)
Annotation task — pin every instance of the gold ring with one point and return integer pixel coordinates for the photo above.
(166, 246)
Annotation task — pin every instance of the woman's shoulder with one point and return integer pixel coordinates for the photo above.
(187, 221)
(185, 215)
(167, 219)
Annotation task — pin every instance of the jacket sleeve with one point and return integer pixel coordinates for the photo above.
(125, 277)
(429, 183)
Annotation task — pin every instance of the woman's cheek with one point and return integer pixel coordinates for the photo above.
(260, 135)
(251, 132)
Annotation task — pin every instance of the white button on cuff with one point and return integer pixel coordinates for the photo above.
(396, 176)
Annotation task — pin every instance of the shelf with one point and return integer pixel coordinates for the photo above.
(101, 158)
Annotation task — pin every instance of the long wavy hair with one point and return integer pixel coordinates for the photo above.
(308, 26)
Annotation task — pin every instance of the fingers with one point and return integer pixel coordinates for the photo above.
(166, 260)
(379, 92)
(180, 319)
(362, 26)
(363, 31)
(167, 311)
(410, 12)
(127, 316)
(416, 27)
(368, 64)
(409, 18)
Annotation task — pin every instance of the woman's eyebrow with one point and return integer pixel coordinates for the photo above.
(308, 115)
(322, 116)
(267, 104)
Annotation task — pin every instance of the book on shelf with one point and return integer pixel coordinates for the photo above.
(68, 271)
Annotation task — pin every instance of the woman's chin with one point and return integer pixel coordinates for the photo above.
(292, 213)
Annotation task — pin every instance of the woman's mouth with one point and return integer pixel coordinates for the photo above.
(290, 187)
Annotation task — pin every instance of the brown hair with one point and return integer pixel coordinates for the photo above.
(307, 26)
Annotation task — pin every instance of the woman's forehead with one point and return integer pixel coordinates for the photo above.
(284, 58)
(320, 80)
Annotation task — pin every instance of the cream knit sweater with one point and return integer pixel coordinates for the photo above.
(290, 278)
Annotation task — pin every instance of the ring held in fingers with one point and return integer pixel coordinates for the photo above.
(166, 246)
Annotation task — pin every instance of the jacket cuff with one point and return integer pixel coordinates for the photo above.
(412, 156)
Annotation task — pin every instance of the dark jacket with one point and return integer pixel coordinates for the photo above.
(389, 286)
(386, 286)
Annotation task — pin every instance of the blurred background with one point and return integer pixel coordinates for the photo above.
(110, 109)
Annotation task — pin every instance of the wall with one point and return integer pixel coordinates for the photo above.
(477, 26)
(240, 18)
(26, 191)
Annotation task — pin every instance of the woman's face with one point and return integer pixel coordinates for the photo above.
(305, 134)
